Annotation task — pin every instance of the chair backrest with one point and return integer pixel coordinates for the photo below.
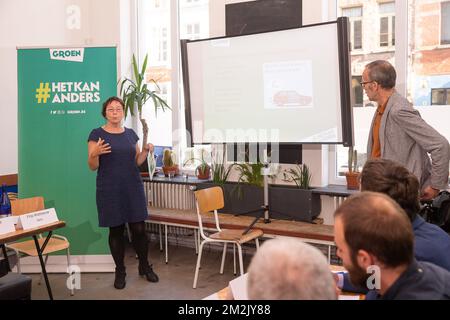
(27, 205)
(209, 199)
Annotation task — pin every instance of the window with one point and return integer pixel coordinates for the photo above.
(193, 31)
(445, 22)
(429, 74)
(440, 96)
(365, 21)
(427, 64)
(358, 90)
(387, 24)
(154, 40)
(355, 17)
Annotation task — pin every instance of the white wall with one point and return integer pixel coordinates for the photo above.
(38, 23)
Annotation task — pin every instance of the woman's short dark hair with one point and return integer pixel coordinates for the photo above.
(391, 178)
(108, 101)
(383, 73)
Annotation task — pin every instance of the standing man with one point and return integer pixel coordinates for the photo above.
(399, 133)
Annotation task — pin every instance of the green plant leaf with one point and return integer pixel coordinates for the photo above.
(136, 72)
(300, 175)
(144, 65)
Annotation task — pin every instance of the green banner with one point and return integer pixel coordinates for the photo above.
(60, 96)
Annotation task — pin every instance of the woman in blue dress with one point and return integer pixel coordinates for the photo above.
(113, 151)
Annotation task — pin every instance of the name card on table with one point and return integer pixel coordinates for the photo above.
(7, 225)
(37, 219)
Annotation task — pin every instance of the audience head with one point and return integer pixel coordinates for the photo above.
(393, 179)
(289, 269)
(381, 72)
(371, 229)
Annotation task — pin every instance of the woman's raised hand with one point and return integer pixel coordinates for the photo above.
(101, 148)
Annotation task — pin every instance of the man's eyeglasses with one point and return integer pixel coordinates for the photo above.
(363, 83)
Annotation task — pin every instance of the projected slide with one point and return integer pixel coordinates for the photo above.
(288, 84)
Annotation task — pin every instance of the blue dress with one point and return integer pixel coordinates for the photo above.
(120, 191)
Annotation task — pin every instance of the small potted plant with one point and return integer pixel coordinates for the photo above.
(202, 171)
(169, 163)
(352, 175)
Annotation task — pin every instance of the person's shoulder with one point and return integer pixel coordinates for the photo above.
(129, 130)
(432, 270)
(437, 230)
(131, 133)
(97, 130)
(430, 231)
(400, 103)
(401, 110)
(429, 282)
(95, 134)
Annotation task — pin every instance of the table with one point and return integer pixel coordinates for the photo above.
(20, 234)
(309, 232)
(239, 286)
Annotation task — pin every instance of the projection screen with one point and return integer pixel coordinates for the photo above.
(289, 86)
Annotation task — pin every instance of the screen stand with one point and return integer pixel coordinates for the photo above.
(264, 208)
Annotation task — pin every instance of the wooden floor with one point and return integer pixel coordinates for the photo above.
(290, 228)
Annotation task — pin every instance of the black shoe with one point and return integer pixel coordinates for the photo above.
(119, 281)
(148, 273)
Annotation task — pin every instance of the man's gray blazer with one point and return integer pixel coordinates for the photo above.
(406, 138)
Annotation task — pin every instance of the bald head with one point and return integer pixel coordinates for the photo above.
(288, 269)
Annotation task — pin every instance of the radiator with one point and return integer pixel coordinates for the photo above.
(169, 195)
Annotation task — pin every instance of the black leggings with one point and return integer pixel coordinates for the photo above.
(138, 238)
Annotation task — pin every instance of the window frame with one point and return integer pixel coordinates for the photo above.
(352, 21)
(401, 66)
(391, 33)
(445, 98)
(441, 42)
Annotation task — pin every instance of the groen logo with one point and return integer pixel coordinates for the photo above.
(69, 54)
(66, 53)
(43, 92)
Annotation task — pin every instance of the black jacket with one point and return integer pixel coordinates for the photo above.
(421, 281)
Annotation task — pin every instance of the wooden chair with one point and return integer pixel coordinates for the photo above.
(28, 248)
(211, 199)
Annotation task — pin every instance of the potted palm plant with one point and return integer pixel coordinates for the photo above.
(135, 93)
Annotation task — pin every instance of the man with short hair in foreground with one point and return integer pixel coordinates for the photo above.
(375, 241)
